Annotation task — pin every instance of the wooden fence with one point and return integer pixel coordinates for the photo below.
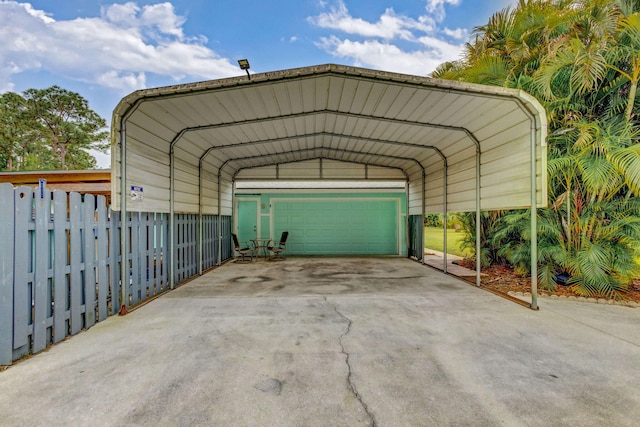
(60, 263)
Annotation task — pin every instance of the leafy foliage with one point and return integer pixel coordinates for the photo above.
(582, 61)
(433, 220)
(489, 222)
(48, 129)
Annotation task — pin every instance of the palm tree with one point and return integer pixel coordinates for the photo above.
(627, 51)
(582, 60)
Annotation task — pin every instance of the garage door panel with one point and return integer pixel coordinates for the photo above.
(343, 220)
(297, 220)
(293, 247)
(345, 227)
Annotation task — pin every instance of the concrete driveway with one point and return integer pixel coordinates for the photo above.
(337, 342)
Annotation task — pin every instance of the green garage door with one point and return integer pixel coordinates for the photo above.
(335, 227)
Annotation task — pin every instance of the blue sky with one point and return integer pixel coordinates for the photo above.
(106, 49)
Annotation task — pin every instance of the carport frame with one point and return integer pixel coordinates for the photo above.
(313, 158)
(534, 126)
(186, 130)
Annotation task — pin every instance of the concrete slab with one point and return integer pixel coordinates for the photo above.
(340, 342)
(435, 259)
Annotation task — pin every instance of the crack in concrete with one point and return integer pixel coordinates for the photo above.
(350, 383)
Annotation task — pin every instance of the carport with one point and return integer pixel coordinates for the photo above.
(458, 147)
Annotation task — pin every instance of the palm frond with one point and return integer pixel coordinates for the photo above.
(627, 162)
(589, 67)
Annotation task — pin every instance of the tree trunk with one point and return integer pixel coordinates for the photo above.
(63, 156)
(632, 99)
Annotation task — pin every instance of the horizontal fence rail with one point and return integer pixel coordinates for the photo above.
(147, 255)
(60, 262)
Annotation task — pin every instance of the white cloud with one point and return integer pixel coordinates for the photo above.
(436, 7)
(394, 42)
(441, 48)
(160, 18)
(389, 57)
(117, 50)
(116, 80)
(164, 18)
(458, 33)
(124, 14)
(389, 26)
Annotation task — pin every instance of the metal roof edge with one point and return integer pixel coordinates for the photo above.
(536, 108)
(130, 101)
(291, 73)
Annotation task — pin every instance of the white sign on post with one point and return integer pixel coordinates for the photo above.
(136, 194)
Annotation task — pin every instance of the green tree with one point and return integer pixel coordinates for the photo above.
(624, 58)
(46, 129)
(13, 129)
(582, 61)
(489, 221)
(64, 123)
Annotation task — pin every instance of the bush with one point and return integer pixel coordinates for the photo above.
(433, 220)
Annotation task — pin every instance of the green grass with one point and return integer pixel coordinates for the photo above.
(433, 239)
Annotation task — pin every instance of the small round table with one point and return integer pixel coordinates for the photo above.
(261, 244)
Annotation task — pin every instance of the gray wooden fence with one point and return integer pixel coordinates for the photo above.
(60, 263)
(186, 232)
(210, 232)
(59, 272)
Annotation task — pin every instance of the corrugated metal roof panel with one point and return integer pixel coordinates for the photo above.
(261, 127)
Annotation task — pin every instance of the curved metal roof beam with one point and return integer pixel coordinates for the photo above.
(338, 135)
(337, 150)
(183, 131)
(334, 159)
(304, 160)
(323, 133)
(320, 157)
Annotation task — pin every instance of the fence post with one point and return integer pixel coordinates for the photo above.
(89, 252)
(40, 295)
(23, 199)
(103, 248)
(134, 275)
(143, 255)
(75, 216)
(6, 274)
(166, 252)
(115, 260)
(61, 261)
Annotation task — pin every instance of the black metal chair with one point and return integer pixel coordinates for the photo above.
(277, 250)
(244, 252)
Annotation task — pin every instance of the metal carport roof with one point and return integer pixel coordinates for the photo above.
(460, 146)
